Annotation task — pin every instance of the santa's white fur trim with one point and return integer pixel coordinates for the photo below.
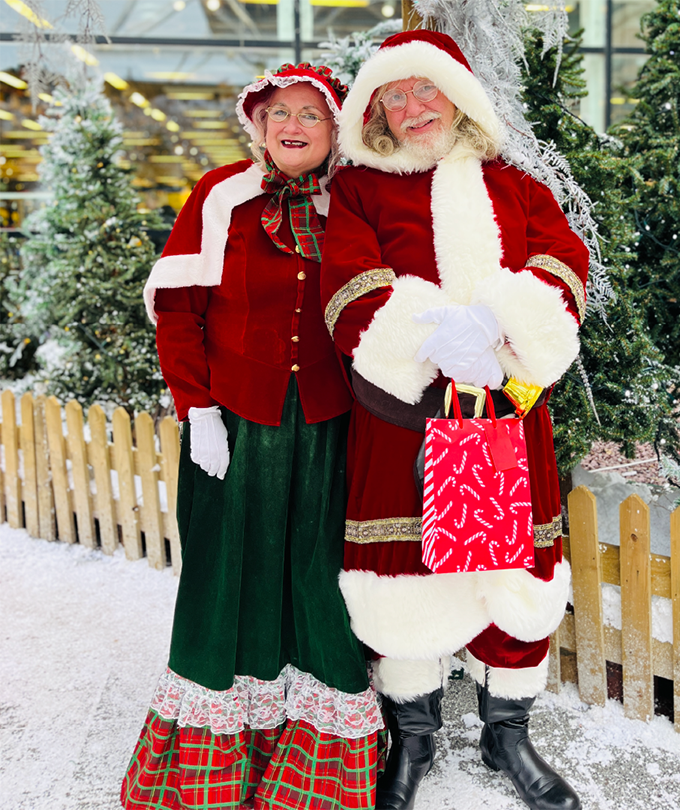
(413, 617)
(523, 606)
(510, 684)
(426, 617)
(466, 237)
(386, 350)
(542, 335)
(406, 680)
(402, 62)
(204, 269)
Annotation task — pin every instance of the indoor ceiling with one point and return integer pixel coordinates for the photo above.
(172, 70)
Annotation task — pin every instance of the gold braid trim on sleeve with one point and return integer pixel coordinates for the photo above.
(360, 285)
(566, 274)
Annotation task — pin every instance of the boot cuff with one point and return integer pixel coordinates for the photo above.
(509, 683)
(403, 681)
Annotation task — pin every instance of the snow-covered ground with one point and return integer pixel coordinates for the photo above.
(84, 637)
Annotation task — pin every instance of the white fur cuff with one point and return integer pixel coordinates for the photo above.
(426, 617)
(511, 684)
(406, 680)
(386, 349)
(542, 334)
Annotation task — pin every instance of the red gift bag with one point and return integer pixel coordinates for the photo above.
(477, 500)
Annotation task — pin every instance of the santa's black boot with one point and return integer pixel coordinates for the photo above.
(412, 726)
(506, 747)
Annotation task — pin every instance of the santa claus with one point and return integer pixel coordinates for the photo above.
(443, 261)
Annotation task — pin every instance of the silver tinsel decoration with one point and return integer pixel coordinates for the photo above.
(345, 56)
(490, 34)
(46, 50)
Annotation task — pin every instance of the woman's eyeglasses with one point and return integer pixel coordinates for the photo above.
(279, 115)
(395, 99)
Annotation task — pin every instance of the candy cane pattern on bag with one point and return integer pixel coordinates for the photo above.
(474, 517)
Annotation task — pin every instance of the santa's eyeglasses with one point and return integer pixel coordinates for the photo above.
(395, 99)
(308, 120)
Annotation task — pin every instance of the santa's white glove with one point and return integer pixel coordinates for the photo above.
(209, 446)
(464, 344)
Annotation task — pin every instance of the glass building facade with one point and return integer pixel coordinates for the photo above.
(613, 55)
(173, 71)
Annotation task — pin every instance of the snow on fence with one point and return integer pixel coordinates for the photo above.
(60, 483)
(644, 648)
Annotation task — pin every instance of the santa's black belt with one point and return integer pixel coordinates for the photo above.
(393, 410)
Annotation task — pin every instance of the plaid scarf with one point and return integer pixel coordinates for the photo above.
(304, 221)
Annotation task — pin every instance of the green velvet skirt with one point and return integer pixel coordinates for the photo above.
(261, 554)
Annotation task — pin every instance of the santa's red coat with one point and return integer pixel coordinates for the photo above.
(397, 244)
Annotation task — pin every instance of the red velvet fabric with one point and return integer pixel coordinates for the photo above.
(435, 38)
(232, 344)
(389, 216)
(496, 648)
(390, 221)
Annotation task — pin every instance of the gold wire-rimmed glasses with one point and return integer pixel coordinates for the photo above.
(395, 99)
(308, 120)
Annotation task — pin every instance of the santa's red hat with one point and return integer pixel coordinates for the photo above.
(428, 54)
(319, 76)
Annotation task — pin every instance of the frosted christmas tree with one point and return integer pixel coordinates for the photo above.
(87, 258)
(18, 344)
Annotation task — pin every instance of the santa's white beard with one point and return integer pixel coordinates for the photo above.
(429, 147)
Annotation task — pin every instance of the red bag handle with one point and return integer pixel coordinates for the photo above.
(490, 410)
(458, 413)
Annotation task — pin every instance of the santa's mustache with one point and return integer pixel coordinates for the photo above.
(421, 119)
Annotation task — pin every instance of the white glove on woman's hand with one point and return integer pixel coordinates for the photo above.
(463, 344)
(209, 446)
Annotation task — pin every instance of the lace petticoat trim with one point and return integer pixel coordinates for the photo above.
(254, 703)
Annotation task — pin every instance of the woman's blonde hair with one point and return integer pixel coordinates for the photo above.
(260, 119)
(377, 135)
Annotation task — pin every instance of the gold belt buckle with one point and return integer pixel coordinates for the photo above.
(522, 395)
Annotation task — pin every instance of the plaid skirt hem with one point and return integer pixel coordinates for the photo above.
(291, 767)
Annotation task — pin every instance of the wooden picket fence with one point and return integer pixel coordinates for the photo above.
(41, 496)
(38, 493)
(640, 574)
